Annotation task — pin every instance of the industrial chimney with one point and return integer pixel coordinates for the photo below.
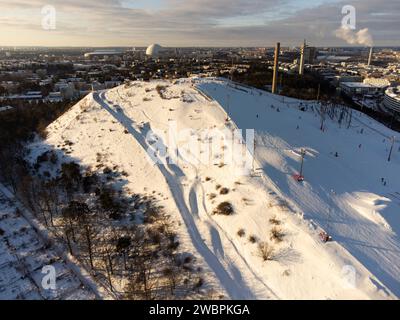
(276, 66)
(370, 57)
(302, 53)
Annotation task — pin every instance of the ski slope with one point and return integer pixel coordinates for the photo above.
(342, 195)
(345, 194)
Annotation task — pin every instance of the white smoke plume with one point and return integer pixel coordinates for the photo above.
(361, 37)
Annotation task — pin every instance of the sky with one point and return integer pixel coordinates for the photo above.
(180, 23)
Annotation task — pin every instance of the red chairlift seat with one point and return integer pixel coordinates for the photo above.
(298, 177)
(325, 237)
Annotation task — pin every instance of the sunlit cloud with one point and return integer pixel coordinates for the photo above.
(193, 22)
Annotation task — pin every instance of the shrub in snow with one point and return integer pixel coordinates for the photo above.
(277, 234)
(151, 215)
(212, 196)
(199, 283)
(266, 251)
(124, 173)
(160, 90)
(241, 233)
(253, 239)
(275, 221)
(107, 170)
(155, 236)
(224, 191)
(224, 208)
(188, 260)
(286, 273)
(173, 245)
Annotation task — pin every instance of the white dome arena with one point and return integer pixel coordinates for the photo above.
(154, 50)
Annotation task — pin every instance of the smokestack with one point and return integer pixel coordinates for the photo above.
(370, 57)
(302, 52)
(276, 66)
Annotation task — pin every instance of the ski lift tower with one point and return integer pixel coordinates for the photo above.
(299, 177)
(393, 139)
(325, 236)
(228, 108)
(255, 172)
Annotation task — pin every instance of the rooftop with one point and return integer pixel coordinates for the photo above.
(358, 85)
(393, 92)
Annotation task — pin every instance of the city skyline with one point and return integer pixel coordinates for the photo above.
(178, 23)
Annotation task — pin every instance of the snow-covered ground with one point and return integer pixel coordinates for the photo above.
(24, 253)
(344, 195)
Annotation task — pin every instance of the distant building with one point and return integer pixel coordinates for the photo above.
(310, 54)
(68, 91)
(359, 88)
(378, 82)
(31, 96)
(154, 50)
(392, 99)
(102, 54)
(54, 97)
(337, 80)
(111, 84)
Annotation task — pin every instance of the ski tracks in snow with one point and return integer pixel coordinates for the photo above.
(232, 283)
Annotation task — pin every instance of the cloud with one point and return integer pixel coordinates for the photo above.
(198, 22)
(361, 37)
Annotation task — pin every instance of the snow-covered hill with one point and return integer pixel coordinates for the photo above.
(162, 135)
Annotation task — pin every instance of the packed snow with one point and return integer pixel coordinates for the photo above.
(350, 189)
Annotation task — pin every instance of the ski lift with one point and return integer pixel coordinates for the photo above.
(298, 177)
(255, 172)
(325, 237)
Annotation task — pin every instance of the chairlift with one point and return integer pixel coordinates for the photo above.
(325, 237)
(298, 177)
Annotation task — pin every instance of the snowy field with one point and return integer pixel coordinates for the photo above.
(342, 195)
(23, 254)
